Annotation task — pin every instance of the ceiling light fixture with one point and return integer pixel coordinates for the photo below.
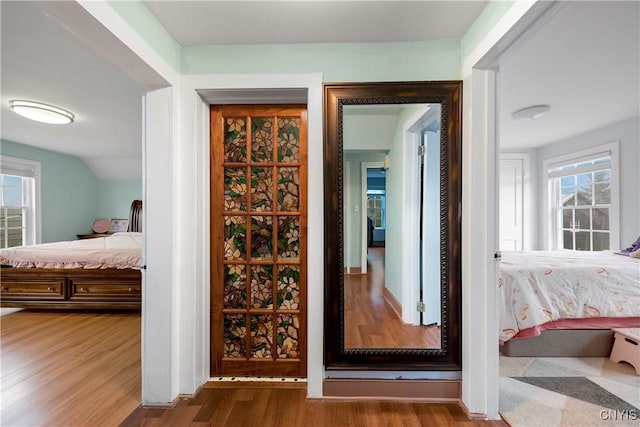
(41, 112)
(530, 113)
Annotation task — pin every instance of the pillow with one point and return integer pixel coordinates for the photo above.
(635, 247)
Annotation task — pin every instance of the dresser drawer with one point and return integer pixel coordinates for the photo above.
(97, 289)
(33, 290)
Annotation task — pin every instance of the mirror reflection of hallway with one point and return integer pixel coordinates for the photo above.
(370, 317)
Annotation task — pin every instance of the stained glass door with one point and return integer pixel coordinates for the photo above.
(258, 240)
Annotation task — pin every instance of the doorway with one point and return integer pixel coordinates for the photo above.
(258, 240)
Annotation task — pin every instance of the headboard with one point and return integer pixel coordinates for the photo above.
(135, 216)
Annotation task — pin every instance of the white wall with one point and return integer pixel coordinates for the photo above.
(628, 134)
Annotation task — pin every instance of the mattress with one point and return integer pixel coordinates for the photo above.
(540, 287)
(120, 250)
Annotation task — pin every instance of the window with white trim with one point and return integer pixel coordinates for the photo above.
(582, 208)
(376, 207)
(19, 199)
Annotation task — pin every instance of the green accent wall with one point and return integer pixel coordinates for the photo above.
(139, 18)
(489, 17)
(439, 60)
(71, 195)
(68, 194)
(115, 196)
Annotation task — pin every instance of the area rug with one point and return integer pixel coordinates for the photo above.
(568, 392)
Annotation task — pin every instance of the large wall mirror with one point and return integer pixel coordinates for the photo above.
(392, 225)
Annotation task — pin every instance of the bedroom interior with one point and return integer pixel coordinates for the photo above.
(535, 369)
(111, 189)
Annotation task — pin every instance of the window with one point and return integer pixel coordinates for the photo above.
(581, 195)
(19, 199)
(375, 207)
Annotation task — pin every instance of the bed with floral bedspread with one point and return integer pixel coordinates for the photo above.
(541, 290)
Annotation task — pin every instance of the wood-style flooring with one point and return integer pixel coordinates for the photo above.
(61, 368)
(240, 404)
(83, 369)
(370, 321)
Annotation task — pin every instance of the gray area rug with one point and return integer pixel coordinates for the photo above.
(568, 392)
(581, 388)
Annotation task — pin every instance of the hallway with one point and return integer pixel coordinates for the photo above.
(371, 321)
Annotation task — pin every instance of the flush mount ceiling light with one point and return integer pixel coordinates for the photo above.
(41, 112)
(530, 113)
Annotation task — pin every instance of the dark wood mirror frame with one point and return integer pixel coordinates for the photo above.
(448, 94)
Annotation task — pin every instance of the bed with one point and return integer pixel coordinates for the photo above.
(98, 273)
(565, 302)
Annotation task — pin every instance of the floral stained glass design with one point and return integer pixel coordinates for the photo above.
(235, 333)
(262, 237)
(289, 139)
(235, 286)
(289, 287)
(235, 139)
(289, 189)
(287, 338)
(262, 286)
(261, 335)
(235, 189)
(262, 217)
(235, 237)
(261, 189)
(262, 140)
(289, 238)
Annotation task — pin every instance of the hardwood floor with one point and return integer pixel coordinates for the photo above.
(61, 368)
(240, 404)
(83, 369)
(370, 322)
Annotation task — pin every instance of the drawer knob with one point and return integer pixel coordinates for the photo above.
(130, 290)
(84, 290)
(4, 288)
(50, 288)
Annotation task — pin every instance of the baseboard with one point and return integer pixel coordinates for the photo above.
(392, 301)
(416, 390)
(472, 415)
(353, 270)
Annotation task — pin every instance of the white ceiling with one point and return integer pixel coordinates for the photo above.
(42, 61)
(250, 22)
(584, 63)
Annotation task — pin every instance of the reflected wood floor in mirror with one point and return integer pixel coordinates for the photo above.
(370, 321)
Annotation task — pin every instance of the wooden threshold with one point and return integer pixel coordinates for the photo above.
(413, 390)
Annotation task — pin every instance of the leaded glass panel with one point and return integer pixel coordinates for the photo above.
(261, 189)
(289, 139)
(235, 333)
(289, 287)
(262, 237)
(262, 286)
(288, 189)
(235, 189)
(288, 343)
(289, 238)
(235, 236)
(261, 139)
(261, 335)
(235, 139)
(235, 286)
